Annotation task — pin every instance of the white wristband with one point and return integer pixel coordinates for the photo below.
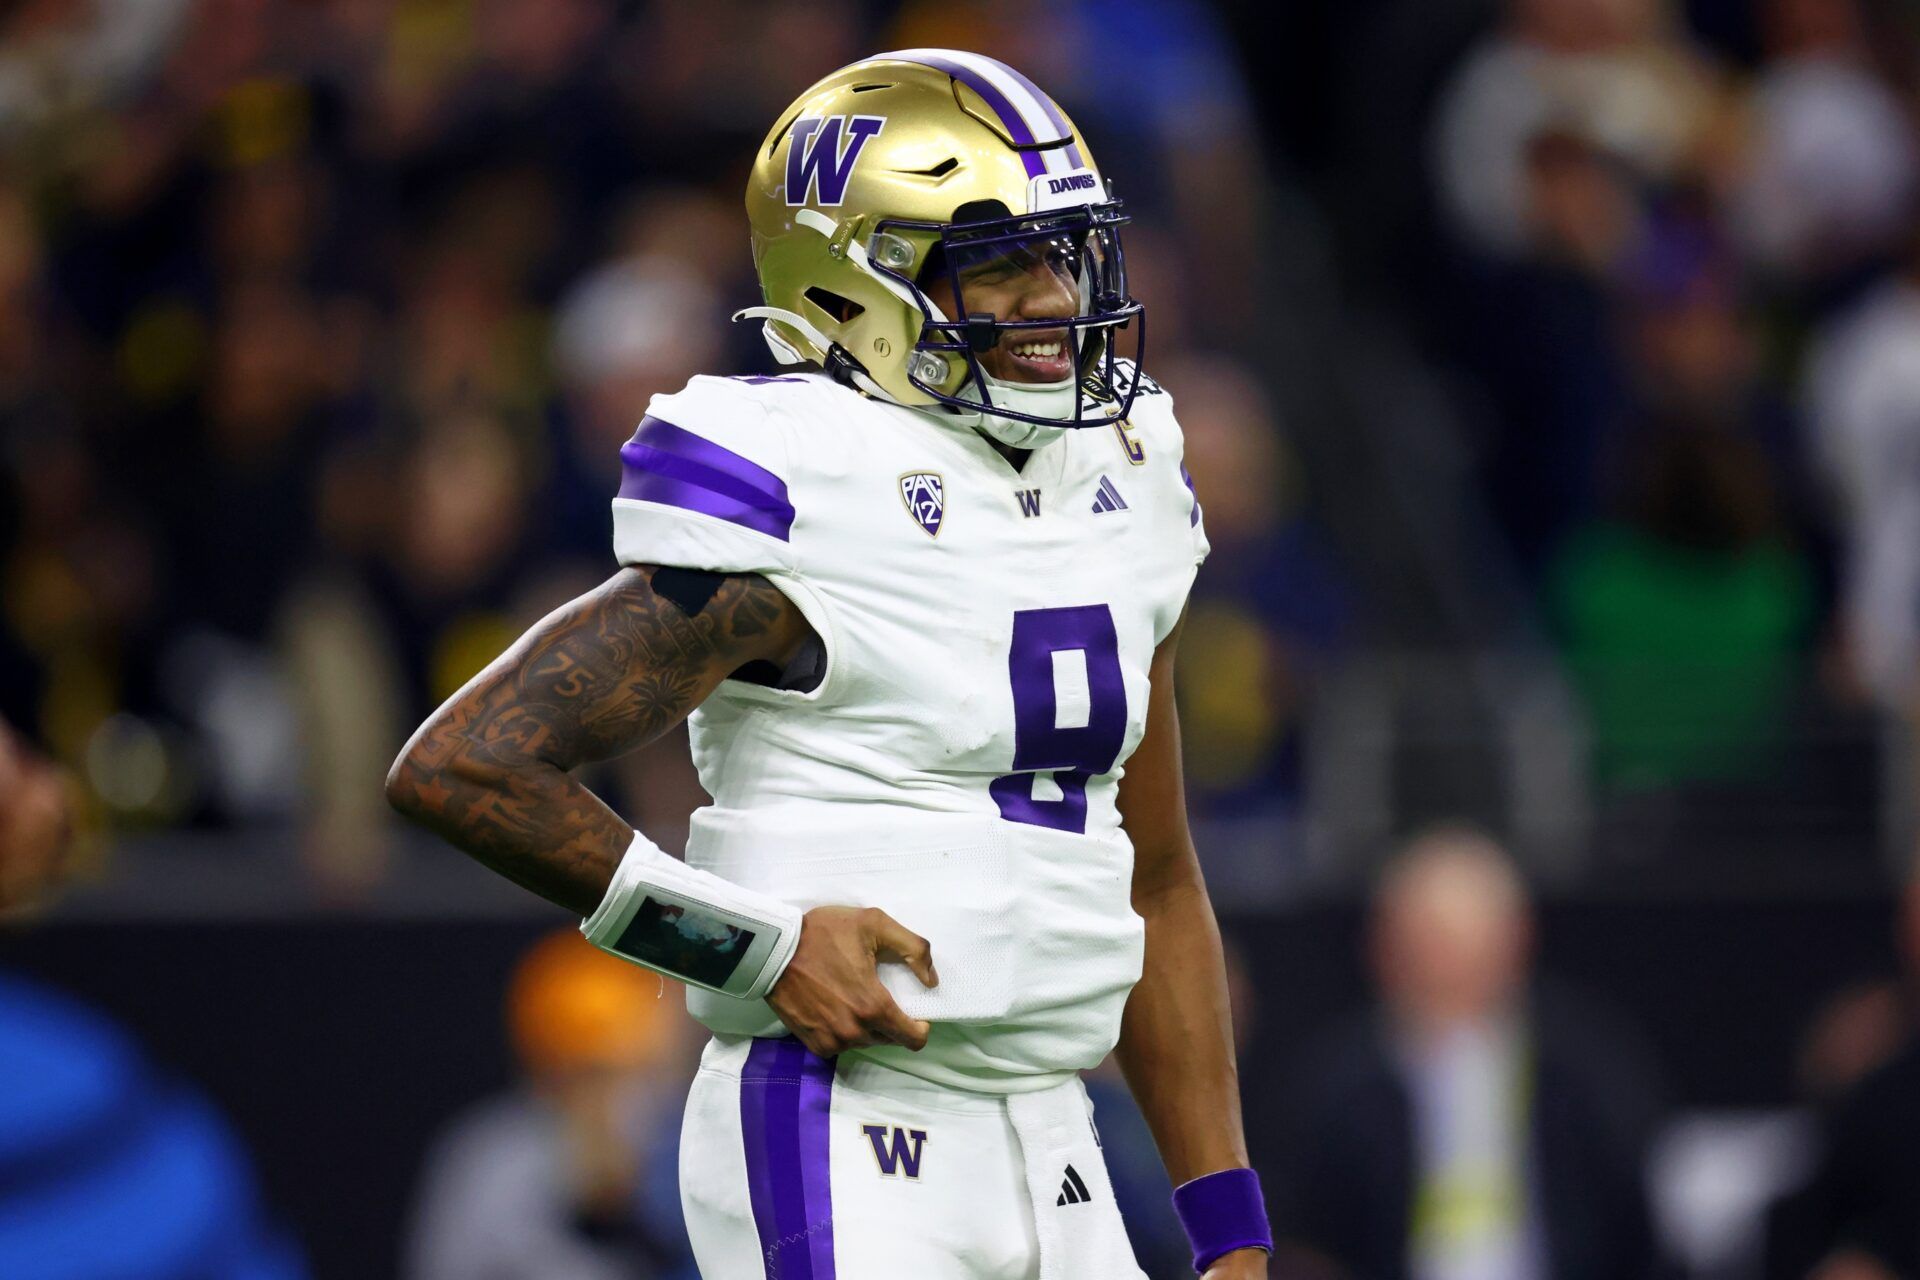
(693, 926)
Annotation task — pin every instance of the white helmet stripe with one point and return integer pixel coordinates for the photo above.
(1043, 122)
(1042, 117)
(1032, 110)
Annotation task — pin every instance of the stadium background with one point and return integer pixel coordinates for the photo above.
(1551, 373)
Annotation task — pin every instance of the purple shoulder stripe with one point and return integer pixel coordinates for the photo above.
(670, 465)
(1186, 478)
(786, 1093)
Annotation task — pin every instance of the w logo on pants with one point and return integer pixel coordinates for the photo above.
(896, 1150)
(817, 160)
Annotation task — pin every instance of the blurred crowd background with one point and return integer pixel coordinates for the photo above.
(1550, 371)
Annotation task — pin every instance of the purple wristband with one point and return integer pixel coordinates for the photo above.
(1222, 1212)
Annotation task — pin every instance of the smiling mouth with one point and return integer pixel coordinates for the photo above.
(1042, 357)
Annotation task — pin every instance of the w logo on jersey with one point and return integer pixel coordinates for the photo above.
(896, 1150)
(819, 163)
(926, 499)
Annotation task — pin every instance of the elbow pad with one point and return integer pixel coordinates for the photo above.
(693, 926)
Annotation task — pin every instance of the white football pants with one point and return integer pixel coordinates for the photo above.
(794, 1167)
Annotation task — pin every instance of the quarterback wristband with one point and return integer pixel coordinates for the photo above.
(693, 926)
(1222, 1212)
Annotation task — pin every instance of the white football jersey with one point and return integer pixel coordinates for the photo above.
(988, 635)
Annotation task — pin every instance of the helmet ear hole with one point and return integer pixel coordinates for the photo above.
(835, 307)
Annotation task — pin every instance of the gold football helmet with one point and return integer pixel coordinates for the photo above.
(934, 163)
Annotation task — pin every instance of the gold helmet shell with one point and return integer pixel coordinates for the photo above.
(854, 184)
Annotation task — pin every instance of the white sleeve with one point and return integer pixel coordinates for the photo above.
(1165, 436)
(1195, 524)
(703, 483)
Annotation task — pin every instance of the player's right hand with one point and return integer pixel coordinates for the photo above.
(36, 824)
(830, 994)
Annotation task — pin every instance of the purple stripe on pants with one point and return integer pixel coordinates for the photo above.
(785, 1097)
(666, 464)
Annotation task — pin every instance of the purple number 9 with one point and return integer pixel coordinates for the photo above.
(1074, 736)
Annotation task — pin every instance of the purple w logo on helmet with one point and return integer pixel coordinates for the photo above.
(817, 158)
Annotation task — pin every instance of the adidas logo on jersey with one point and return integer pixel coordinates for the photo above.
(1107, 498)
(1072, 1189)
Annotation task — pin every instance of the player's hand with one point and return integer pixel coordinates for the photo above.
(830, 995)
(1851, 1264)
(36, 824)
(1241, 1264)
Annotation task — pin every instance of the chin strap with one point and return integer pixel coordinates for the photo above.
(1009, 431)
(786, 353)
(855, 252)
(783, 351)
(1037, 399)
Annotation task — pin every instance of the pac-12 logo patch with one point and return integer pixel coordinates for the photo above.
(926, 499)
(820, 162)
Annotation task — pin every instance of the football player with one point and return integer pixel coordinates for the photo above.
(919, 600)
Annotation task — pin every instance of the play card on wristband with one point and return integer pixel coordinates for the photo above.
(693, 926)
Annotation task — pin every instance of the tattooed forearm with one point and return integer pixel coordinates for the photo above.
(605, 673)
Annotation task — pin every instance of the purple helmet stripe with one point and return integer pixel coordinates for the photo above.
(1010, 116)
(1053, 111)
(786, 1093)
(667, 464)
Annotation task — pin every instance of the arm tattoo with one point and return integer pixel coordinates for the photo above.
(603, 674)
